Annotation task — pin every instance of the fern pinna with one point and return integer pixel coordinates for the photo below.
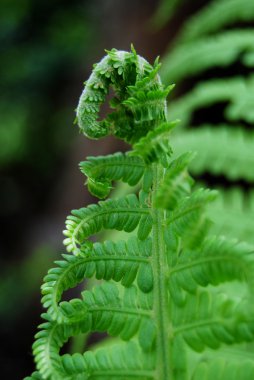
(163, 294)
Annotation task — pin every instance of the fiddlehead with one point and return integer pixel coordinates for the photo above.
(139, 102)
(152, 295)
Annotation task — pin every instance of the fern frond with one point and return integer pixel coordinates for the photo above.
(208, 320)
(188, 219)
(232, 213)
(160, 307)
(217, 261)
(125, 361)
(155, 145)
(102, 170)
(215, 16)
(52, 336)
(216, 51)
(176, 183)
(150, 101)
(102, 309)
(220, 150)
(35, 376)
(48, 341)
(120, 261)
(236, 352)
(134, 113)
(237, 91)
(121, 214)
(224, 368)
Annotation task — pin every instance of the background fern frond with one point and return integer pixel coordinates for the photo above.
(188, 219)
(212, 59)
(224, 368)
(232, 213)
(221, 150)
(205, 267)
(237, 92)
(208, 320)
(215, 16)
(216, 51)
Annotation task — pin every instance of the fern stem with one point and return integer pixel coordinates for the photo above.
(126, 373)
(161, 300)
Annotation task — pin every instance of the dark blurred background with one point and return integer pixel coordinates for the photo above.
(47, 51)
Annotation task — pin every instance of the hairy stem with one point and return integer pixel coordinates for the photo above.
(161, 295)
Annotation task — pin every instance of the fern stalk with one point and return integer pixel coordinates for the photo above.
(161, 299)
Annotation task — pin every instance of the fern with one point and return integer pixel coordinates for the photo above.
(152, 296)
(101, 171)
(219, 50)
(215, 16)
(232, 213)
(221, 150)
(237, 92)
(211, 58)
(211, 18)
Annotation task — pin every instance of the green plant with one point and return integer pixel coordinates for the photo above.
(211, 60)
(165, 293)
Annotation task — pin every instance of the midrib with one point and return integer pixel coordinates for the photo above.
(161, 301)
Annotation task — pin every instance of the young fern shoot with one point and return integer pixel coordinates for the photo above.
(162, 292)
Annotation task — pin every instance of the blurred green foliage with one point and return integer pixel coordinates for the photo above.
(30, 275)
(42, 45)
(211, 61)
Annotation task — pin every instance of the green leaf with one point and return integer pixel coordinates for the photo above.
(214, 17)
(148, 105)
(237, 92)
(121, 214)
(102, 309)
(233, 214)
(216, 261)
(155, 145)
(140, 97)
(35, 376)
(208, 320)
(127, 359)
(212, 51)
(176, 183)
(120, 261)
(122, 360)
(145, 277)
(220, 151)
(101, 171)
(188, 220)
(225, 369)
